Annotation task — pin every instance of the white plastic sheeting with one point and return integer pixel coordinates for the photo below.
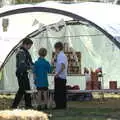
(20, 26)
(104, 15)
(97, 50)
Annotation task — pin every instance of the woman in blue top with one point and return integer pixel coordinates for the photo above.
(41, 70)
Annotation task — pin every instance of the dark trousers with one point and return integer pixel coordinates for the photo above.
(60, 93)
(23, 82)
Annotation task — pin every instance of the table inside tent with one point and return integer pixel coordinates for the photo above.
(72, 79)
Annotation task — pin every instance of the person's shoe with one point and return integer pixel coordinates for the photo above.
(13, 107)
(45, 107)
(59, 108)
(55, 108)
(29, 107)
(39, 107)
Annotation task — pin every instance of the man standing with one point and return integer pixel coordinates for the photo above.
(60, 77)
(23, 64)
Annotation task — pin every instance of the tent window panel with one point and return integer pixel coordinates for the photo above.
(10, 81)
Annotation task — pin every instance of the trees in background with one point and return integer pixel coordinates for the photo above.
(37, 1)
(28, 1)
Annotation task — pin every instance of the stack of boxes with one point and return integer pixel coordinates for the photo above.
(74, 59)
(94, 80)
(93, 84)
(89, 85)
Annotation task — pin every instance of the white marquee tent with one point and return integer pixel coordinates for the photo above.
(91, 28)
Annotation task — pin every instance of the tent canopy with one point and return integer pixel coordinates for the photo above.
(104, 16)
(91, 28)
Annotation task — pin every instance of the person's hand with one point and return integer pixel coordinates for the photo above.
(52, 61)
(56, 75)
(35, 82)
(30, 70)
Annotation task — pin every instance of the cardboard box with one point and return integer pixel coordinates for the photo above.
(113, 84)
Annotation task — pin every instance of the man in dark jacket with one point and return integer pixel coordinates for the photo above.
(23, 64)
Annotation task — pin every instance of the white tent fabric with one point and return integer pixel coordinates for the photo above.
(104, 15)
(19, 27)
(97, 50)
(86, 39)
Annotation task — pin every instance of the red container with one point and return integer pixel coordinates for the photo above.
(76, 87)
(89, 85)
(94, 76)
(113, 84)
(95, 85)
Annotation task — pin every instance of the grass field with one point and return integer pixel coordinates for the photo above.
(95, 110)
(108, 109)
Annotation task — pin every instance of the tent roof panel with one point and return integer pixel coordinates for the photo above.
(106, 16)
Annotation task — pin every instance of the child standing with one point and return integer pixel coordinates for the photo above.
(60, 77)
(41, 70)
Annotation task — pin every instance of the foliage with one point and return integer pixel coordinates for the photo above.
(27, 1)
(37, 1)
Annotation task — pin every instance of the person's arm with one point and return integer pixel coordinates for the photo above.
(21, 63)
(61, 70)
(30, 60)
(54, 59)
(34, 71)
(62, 62)
(49, 68)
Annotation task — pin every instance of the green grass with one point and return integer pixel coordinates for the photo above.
(76, 111)
(108, 109)
(84, 114)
